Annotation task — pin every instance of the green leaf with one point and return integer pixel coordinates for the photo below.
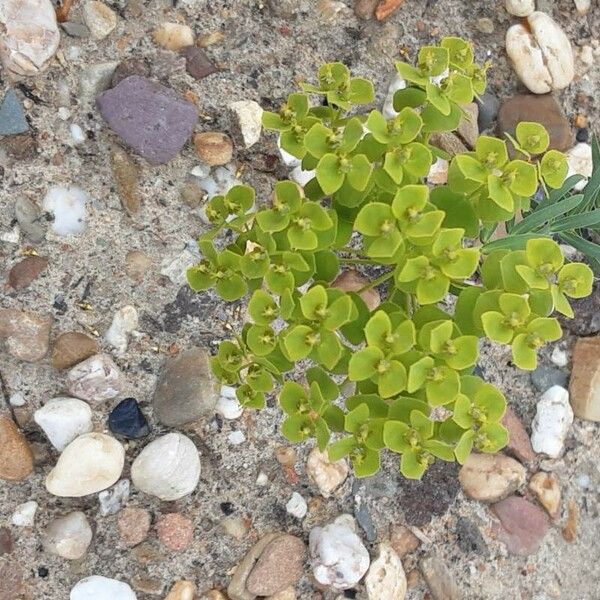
(363, 363)
(522, 177)
(314, 303)
(297, 428)
(329, 174)
(318, 140)
(554, 168)
(576, 280)
(299, 341)
(374, 219)
(293, 398)
(366, 462)
(524, 356)
(464, 446)
(393, 380)
(532, 137)
(395, 435)
(341, 448)
(491, 152)
(261, 339)
(411, 96)
(360, 172)
(232, 288)
(361, 91)
(433, 60)
(460, 52)
(411, 466)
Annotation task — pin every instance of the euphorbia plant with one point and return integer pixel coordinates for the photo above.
(398, 376)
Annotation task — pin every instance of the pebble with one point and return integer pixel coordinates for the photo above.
(149, 117)
(90, 463)
(128, 67)
(485, 25)
(96, 379)
(339, 558)
(124, 322)
(175, 268)
(296, 506)
(191, 194)
(127, 176)
(552, 422)
(386, 579)
(77, 134)
(127, 419)
(16, 457)
(583, 6)
(439, 580)
(523, 525)
(519, 444)
(95, 79)
(228, 406)
(469, 537)
(236, 438)
(438, 172)
(520, 8)
(488, 105)
(403, 540)
(235, 526)
(24, 514)
(71, 348)
(544, 377)
(173, 36)
(30, 35)
(352, 281)
(6, 542)
(584, 388)
(175, 531)
(30, 220)
(74, 29)
(182, 590)
(490, 477)
(101, 588)
(468, 128)
(68, 536)
(541, 109)
(11, 577)
(220, 182)
(448, 142)
(186, 390)
(545, 487)
(114, 498)
(326, 475)
(197, 63)
(133, 525)
(63, 419)
(214, 148)
(27, 335)
(68, 205)
(26, 271)
(20, 147)
(137, 264)
(559, 357)
(168, 467)
(365, 9)
(249, 120)
(579, 159)
(12, 116)
(541, 54)
(396, 83)
(99, 18)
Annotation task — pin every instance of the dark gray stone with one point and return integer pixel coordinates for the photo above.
(74, 29)
(469, 537)
(364, 519)
(12, 116)
(128, 67)
(197, 63)
(543, 378)
(489, 105)
(186, 390)
(150, 118)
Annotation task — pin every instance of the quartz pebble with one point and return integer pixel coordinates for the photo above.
(352, 281)
(26, 271)
(30, 35)
(490, 477)
(175, 531)
(24, 514)
(386, 579)
(99, 18)
(439, 580)
(12, 116)
(523, 525)
(173, 36)
(584, 388)
(545, 487)
(124, 322)
(559, 357)
(133, 525)
(96, 379)
(579, 159)
(16, 457)
(128, 420)
(326, 475)
(90, 463)
(296, 506)
(182, 590)
(249, 120)
(63, 419)
(68, 205)
(235, 526)
(583, 6)
(519, 444)
(541, 54)
(186, 389)
(97, 587)
(213, 147)
(228, 405)
(520, 8)
(552, 422)
(339, 558)
(72, 347)
(149, 117)
(168, 467)
(27, 335)
(114, 498)
(68, 536)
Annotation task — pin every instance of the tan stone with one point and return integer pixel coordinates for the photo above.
(27, 334)
(173, 36)
(490, 477)
(403, 540)
(136, 264)
(467, 128)
(182, 590)
(327, 475)
(127, 175)
(213, 147)
(16, 457)
(71, 348)
(584, 388)
(448, 142)
(545, 487)
(353, 281)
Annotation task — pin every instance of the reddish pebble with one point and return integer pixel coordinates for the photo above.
(175, 531)
(519, 444)
(24, 272)
(134, 524)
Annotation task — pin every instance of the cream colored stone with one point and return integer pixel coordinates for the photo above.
(386, 579)
(545, 487)
(173, 36)
(520, 8)
(100, 19)
(182, 590)
(327, 475)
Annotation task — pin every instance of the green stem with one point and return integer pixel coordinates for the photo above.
(377, 281)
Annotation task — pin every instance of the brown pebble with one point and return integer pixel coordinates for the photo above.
(11, 577)
(197, 63)
(133, 525)
(569, 531)
(413, 578)
(182, 590)
(353, 281)
(192, 195)
(128, 67)
(175, 531)
(19, 147)
(136, 264)
(147, 585)
(214, 148)
(6, 544)
(71, 348)
(403, 540)
(365, 9)
(210, 39)
(386, 7)
(146, 553)
(27, 334)
(26, 271)
(16, 458)
(519, 444)
(127, 174)
(285, 455)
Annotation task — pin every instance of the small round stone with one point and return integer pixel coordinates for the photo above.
(68, 536)
(134, 525)
(71, 348)
(127, 419)
(175, 531)
(214, 148)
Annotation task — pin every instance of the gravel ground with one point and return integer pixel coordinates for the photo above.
(261, 57)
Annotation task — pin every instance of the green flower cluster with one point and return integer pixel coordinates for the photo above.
(399, 376)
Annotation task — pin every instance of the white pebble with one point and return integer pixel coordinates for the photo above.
(386, 579)
(77, 134)
(300, 176)
(262, 479)
(229, 406)
(17, 399)
(438, 173)
(68, 537)
(520, 8)
(327, 475)
(123, 324)
(236, 438)
(339, 558)
(173, 36)
(63, 419)
(11, 237)
(24, 514)
(201, 171)
(552, 421)
(289, 160)
(63, 113)
(99, 18)
(397, 83)
(95, 379)
(97, 587)
(249, 116)
(559, 357)
(175, 268)
(579, 159)
(583, 6)
(168, 467)
(68, 205)
(114, 498)
(583, 481)
(297, 506)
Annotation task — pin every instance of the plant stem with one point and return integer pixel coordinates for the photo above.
(377, 281)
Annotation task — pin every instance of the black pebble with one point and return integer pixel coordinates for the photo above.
(583, 135)
(227, 507)
(43, 572)
(127, 419)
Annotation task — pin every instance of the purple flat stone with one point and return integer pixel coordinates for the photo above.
(150, 118)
